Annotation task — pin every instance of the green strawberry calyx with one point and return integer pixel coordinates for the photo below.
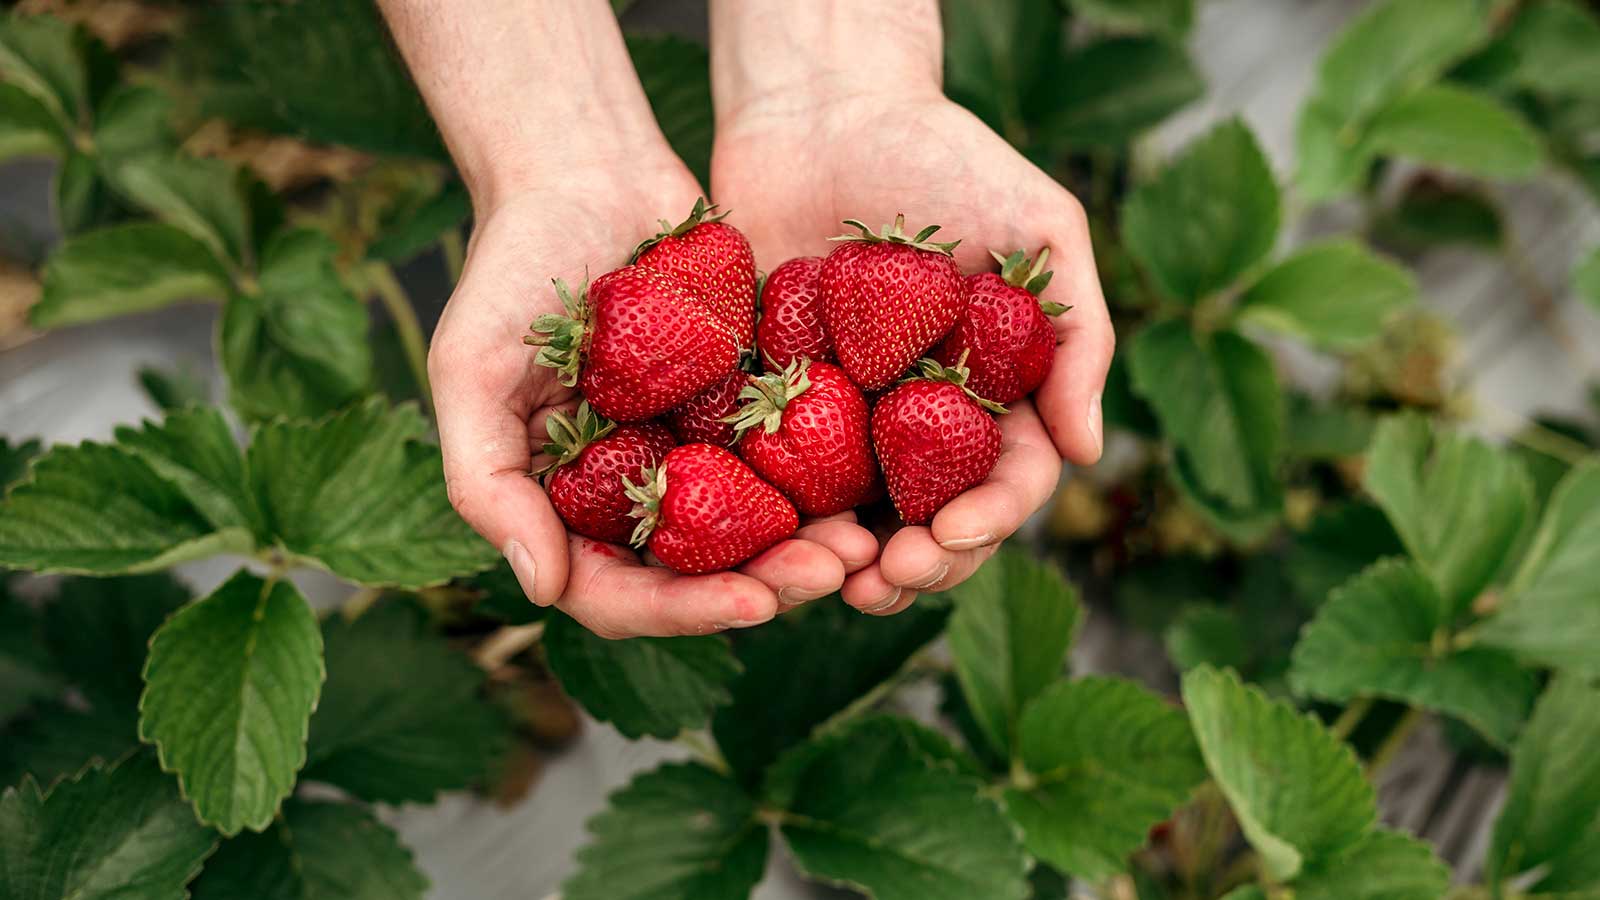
(896, 234)
(765, 397)
(703, 212)
(932, 370)
(646, 497)
(569, 435)
(1018, 270)
(560, 339)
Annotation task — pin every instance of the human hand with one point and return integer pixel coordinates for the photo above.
(794, 161)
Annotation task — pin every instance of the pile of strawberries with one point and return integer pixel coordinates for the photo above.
(705, 433)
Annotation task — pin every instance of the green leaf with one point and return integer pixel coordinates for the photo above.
(194, 450)
(643, 686)
(1551, 612)
(1220, 405)
(174, 389)
(229, 687)
(1586, 278)
(54, 741)
(679, 832)
(1433, 213)
(1456, 129)
(1108, 760)
(44, 56)
(1326, 431)
(299, 347)
(1385, 633)
(27, 128)
(1246, 892)
(359, 494)
(1342, 540)
(402, 714)
(1209, 217)
(676, 76)
(1169, 17)
(27, 673)
(14, 460)
(1555, 781)
(1207, 636)
(132, 121)
(1333, 294)
(837, 653)
(201, 197)
(1111, 91)
(1297, 791)
(98, 631)
(118, 832)
(997, 55)
(1387, 865)
(414, 228)
(1459, 505)
(896, 826)
(125, 269)
(96, 509)
(1552, 46)
(314, 851)
(82, 201)
(1014, 620)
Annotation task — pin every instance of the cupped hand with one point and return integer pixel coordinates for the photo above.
(792, 166)
(492, 401)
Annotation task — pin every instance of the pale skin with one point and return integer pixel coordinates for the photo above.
(825, 110)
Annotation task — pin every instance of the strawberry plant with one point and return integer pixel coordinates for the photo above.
(1328, 562)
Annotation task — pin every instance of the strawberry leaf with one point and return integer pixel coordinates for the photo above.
(54, 741)
(1107, 761)
(998, 55)
(27, 128)
(111, 832)
(679, 832)
(1385, 634)
(314, 851)
(45, 57)
(229, 687)
(1297, 791)
(358, 494)
(98, 631)
(402, 715)
(676, 76)
(1453, 128)
(1013, 622)
(27, 673)
(126, 269)
(201, 197)
(194, 450)
(1168, 17)
(1110, 91)
(643, 686)
(1386, 865)
(14, 460)
(1293, 296)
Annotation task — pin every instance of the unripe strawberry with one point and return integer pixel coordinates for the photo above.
(934, 440)
(704, 510)
(636, 343)
(704, 418)
(887, 299)
(712, 257)
(1009, 342)
(805, 431)
(592, 457)
(792, 325)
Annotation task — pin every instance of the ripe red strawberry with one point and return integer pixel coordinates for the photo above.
(805, 430)
(934, 440)
(703, 419)
(1009, 342)
(791, 325)
(592, 457)
(643, 341)
(712, 257)
(887, 299)
(704, 510)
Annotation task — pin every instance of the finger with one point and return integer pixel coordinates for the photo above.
(1069, 399)
(615, 596)
(797, 571)
(486, 464)
(912, 559)
(868, 592)
(854, 546)
(1022, 481)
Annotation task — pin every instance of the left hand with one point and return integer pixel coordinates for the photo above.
(792, 166)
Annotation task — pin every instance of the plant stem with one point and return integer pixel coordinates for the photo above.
(1534, 436)
(1396, 739)
(400, 311)
(506, 642)
(455, 253)
(358, 603)
(704, 750)
(1351, 717)
(914, 668)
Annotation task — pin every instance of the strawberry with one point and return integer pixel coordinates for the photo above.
(1004, 330)
(887, 298)
(703, 510)
(934, 440)
(791, 325)
(805, 430)
(703, 419)
(642, 341)
(592, 457)
(712, 257)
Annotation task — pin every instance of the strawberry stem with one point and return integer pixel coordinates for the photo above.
(767, 395)
(702, 212)
(932, 370)
(646, 499)
(560, 338)
(896, 234)
(568, 438)
(1019, 271)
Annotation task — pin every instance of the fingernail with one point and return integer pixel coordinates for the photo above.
(888, 603)
(1094, 423)
(741, 623)
(523, 566)
(793, 596)
(982, 540)
(933, 577)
